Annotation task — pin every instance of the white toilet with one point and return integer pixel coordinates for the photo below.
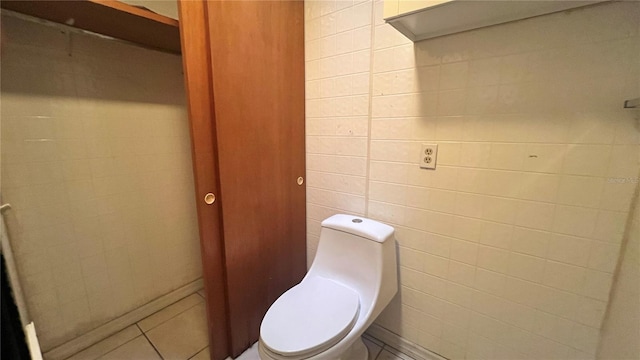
(352, 278)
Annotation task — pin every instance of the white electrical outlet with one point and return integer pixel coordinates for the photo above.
(428, 156)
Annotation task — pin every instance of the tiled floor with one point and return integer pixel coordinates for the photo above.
(379, 351)
(179, 332)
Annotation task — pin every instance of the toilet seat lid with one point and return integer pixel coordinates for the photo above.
(310, 317)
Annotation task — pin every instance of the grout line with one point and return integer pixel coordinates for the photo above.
(363, 195)
(341, 174)
(337, 155)
(160, 323)
(385, 347)
(112, 350)
(487, 195)
(494, 295)
(617, 271)
(373, 340)
(370, 111)
(379, 351)
(396, 352)
(197, 352)
(149, 341)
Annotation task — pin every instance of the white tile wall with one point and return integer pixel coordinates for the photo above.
(621, 328)
(507, 249)
(338, 58)
(96, 163)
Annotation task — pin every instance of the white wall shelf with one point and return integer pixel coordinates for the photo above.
(106, 17)
(420, 20)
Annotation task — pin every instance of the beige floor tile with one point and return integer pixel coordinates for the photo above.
(250, 354)
(169, 312)
(202, 355)
(136, 349)
(374, 349)
(182, 336)
(372, 339)
(100, 348)
(392, 354)
(201, 293)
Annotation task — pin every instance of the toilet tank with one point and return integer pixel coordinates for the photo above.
(360, 253)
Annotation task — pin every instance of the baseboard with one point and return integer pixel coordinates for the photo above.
(103, 331)
(405, 346)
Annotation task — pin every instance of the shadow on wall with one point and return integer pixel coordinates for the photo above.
(394, 309)
(85, 67)
(533, 72)
(92, 131)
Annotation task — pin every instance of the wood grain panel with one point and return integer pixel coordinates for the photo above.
(197, 67)
(257, 55)
(107, 17)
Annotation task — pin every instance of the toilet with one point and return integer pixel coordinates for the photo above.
(352, 279)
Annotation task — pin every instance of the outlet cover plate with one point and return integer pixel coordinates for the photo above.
(428, 156)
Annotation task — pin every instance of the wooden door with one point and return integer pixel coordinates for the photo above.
(197, 66)
(257, 56)
(256, 76)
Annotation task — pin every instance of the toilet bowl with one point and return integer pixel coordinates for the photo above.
(351, 280)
